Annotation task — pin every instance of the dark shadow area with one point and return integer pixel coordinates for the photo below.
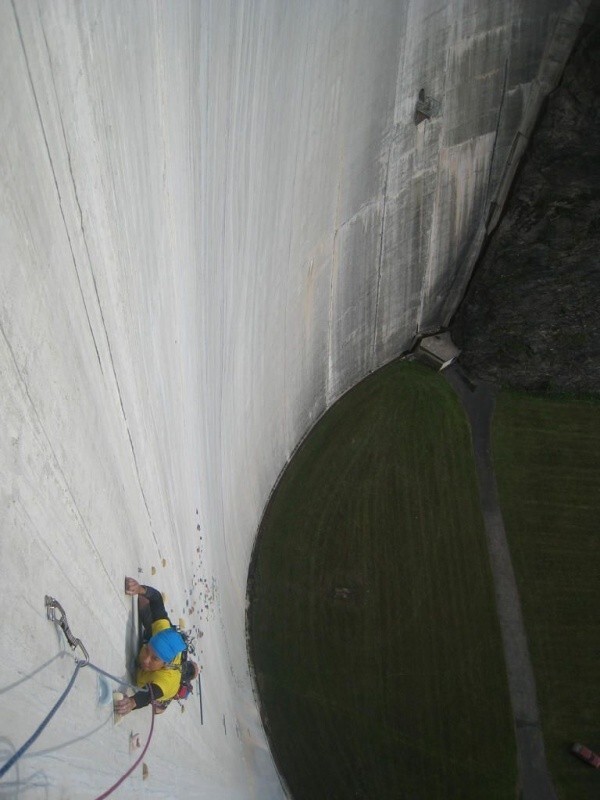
(372, 625)
(531, 315)
(132, 639)
(547, 460)
(536, 783)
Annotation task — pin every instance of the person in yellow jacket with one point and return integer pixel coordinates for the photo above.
(159, 660)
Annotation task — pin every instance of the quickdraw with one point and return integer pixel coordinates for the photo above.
(53, 606)
(56, 613)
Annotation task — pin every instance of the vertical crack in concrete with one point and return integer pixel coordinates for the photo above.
(428, 259)
(289, 261)
(380, 260)
(498, 121)
(332, 287)
(60, 204)
(56, 186)
(329, 392)
(96, 553)
(478, 402)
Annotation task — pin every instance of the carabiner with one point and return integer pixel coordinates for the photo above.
(52, 606)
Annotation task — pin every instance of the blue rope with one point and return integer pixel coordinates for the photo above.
(112, 677)
(16, 756)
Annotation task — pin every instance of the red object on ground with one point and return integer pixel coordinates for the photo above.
(587, 755)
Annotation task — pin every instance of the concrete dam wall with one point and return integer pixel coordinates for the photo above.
(216, 218)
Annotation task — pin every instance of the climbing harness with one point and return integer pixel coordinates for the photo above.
(56, 613)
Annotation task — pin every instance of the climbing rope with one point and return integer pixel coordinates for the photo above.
(16, 756)
(138, 760)
(56, 613)
(112, 677)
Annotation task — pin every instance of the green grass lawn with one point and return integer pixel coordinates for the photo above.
(372, 627)
(547, 459)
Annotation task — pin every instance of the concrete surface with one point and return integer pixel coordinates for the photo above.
(215, 218)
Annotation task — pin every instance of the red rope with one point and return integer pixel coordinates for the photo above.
(130, 770)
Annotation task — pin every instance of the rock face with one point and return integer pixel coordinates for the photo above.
(531, 316)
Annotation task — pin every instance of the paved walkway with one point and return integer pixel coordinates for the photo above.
(478, 401)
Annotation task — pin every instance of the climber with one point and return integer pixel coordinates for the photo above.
(160, 657)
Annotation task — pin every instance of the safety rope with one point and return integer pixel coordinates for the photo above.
(138, 760)
(112, 677)
(52, 607)
(16, 756)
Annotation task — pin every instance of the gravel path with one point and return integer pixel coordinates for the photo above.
(478, 401)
